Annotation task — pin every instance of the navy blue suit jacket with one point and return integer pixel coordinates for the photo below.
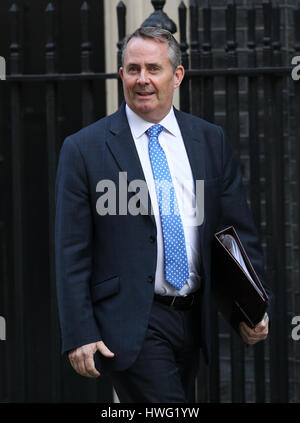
(106, 265)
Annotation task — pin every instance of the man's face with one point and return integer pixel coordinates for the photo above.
(148, 78)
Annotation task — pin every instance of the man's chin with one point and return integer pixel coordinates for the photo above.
(144, 109)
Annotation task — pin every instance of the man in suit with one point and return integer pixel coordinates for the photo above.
(134, 287)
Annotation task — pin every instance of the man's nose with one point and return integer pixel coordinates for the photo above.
(143, 77)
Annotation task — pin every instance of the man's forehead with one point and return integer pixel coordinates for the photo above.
(146, 45)
(146, 50)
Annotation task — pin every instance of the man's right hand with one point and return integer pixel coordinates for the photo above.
(82, 358)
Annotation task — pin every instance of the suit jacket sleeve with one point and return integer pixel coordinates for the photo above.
(73, 249)
(235, 211)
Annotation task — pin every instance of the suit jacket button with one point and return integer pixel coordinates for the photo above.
(152, 239)
(150, 279)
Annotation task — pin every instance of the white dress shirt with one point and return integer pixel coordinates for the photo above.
(172, 143)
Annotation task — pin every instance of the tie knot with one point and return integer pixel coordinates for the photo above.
(155, 130)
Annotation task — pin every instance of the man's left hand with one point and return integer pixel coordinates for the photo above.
(259, 333)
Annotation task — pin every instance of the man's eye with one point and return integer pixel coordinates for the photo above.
(154, 68)
(132, 69)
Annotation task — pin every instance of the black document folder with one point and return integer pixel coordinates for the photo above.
(238, 293)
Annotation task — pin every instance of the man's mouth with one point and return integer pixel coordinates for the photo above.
(144, 94)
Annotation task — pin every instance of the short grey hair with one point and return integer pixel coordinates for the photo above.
(161, 35)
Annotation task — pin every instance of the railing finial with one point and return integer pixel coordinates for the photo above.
(159, 18)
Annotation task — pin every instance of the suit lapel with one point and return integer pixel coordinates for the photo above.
(121, 144)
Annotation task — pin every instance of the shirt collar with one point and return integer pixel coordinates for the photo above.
(139, 126)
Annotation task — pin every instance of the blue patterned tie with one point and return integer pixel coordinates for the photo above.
(175, 257)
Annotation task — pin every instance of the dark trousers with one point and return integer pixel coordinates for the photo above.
(165, 369)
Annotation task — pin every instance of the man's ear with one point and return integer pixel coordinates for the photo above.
(121, 73)
(179, 74)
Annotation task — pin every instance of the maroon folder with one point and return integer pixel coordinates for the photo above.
(239, 295)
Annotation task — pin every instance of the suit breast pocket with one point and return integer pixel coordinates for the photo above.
(105, 289)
